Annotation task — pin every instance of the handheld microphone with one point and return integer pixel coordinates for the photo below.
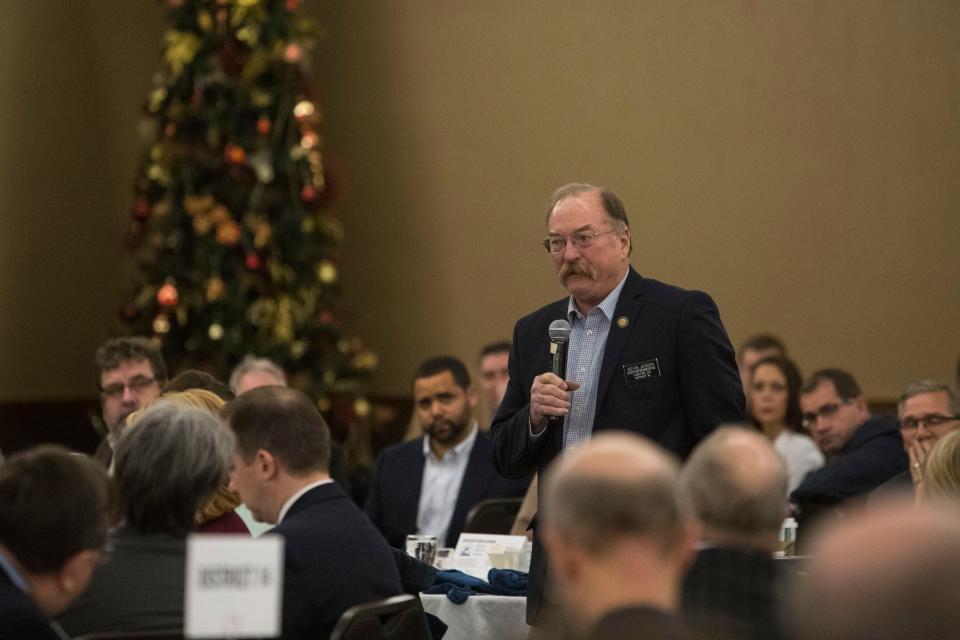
(559, 338)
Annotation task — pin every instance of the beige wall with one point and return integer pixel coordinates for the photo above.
(799, 161)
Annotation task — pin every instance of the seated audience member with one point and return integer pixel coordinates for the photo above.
(927, 411)
(862, 452)
(194, 379)
(736, 485)
(218, 514)
(130, 373)
(941, 473)
(775, 410)
(55, 511)
(618, 538)
(429, 485)
(334, 557)
(166, 468)
(887, 574)
(494, 374)
(753, 350)
(255, 372)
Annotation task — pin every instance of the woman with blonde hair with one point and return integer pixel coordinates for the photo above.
(218, 514)
(941, 472)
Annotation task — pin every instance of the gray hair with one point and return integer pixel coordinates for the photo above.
(594, 510)
(612, 204)
(169, 465)
(930, 386)
(251, 364)
(736, 483)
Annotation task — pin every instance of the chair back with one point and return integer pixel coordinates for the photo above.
(397, 618)
(495, 515)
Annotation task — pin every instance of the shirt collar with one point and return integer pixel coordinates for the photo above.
(608, 307)
(292, 499)
(461, 449)
(15, 576)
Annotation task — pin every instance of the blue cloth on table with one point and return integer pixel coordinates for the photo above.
(459, 586)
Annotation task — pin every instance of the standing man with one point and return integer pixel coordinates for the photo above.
(130, 373)
(429, 485)
(643, 355)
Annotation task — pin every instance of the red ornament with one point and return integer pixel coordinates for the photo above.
(308, 193)
(326, 317)
(170, 130)
(263, 125)
(253, 261)
(141, 209)
(167, 296)
(234, 154)
(293, 5)
(292, 53)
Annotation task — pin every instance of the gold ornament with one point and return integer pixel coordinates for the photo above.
(303, 110)
(215, 332)
(324, 404)
(361, 407)
(365, 360)
(214, 289)
(262, 235)
(161, 325)
(182, 47)
(228, 233)
(298, 348)
(327, 272)
(329, 376)
(205, 20)
(167, 296)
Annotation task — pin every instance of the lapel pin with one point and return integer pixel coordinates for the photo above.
(622, 322)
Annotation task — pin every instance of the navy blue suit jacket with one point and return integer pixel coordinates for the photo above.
(394, 495)
(873, 456)
(19, 616)
(334, 559)
(693, 383)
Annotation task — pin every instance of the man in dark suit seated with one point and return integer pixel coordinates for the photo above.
(736, 485)
(334, 558)
(429, 485)
(55, 510)
(618, 538)
(862, 452)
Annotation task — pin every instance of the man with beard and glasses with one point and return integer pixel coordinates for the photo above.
(428, 485)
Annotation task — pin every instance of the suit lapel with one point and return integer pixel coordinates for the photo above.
(409, 486)
(628, 306)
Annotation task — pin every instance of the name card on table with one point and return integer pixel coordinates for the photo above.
(472, 553)
(234, 586)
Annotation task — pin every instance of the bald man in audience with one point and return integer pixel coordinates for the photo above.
(618, 537)
(55, 512)
(736, 484)
(889, 574)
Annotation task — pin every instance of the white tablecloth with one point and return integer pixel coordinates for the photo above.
(480, 617)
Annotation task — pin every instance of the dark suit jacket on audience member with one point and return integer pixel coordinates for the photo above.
(691, 385)
(139, 589)
(334, 559)
(638, 623)
(19, 616)
(730, 594)
(394, 495)
(874, 455)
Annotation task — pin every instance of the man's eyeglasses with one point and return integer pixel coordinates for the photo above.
(808, 420)
(909, 424)
(137, 385)
(558, 244)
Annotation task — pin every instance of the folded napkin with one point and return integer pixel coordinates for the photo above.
(458, 586)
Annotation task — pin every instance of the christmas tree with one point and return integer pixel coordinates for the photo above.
(237, 250)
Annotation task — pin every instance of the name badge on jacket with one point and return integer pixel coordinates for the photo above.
(641, 370)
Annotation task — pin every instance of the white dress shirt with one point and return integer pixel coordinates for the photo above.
(440, 486)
